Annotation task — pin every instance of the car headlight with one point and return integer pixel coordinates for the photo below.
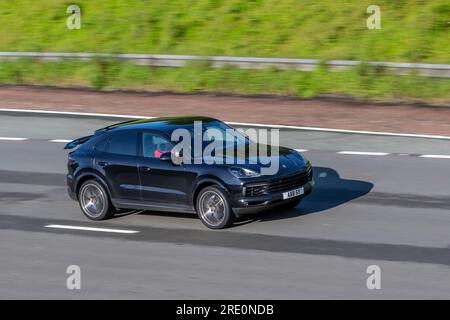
(243, 172)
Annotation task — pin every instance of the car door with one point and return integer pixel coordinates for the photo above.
(162, 181)
(116, 158)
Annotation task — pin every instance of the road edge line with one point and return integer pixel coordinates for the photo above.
(275, 126)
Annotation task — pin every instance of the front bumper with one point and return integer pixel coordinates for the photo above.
(250, 205)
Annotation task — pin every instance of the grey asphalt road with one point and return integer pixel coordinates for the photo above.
(391, 211)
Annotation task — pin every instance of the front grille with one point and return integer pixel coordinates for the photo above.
(256, 190)
(286, 183)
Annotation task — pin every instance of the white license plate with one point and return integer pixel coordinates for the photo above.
(293, 193)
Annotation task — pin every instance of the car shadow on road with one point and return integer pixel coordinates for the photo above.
(330, 191)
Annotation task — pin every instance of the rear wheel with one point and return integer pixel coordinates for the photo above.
(214, 209)
(94, 201)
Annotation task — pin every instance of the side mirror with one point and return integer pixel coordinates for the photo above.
(167, 156)
(179, 154)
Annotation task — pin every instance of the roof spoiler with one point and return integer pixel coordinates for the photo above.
(77, 142)
(115, 125)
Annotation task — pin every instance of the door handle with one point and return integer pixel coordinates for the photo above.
(102, 163)
(145, 169)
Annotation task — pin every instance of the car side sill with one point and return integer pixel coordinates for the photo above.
(152, 206)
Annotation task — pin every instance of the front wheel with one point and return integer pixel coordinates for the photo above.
(214, 209)
(94, 201)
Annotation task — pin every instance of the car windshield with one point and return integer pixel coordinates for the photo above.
(222, 134)
(218, 131)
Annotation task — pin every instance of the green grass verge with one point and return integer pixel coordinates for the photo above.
(411, 30)
(365, 82)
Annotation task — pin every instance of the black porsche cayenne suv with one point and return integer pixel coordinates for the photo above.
(132, 165)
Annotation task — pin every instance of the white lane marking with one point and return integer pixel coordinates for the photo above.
(363, 153)
(60, 140)
(301, 150)
(435, 156)
(13, 139)
(376, 133)
(58, 226)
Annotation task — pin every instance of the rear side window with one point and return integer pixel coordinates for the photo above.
(123, 143)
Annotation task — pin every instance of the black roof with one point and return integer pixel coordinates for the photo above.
(164, 124)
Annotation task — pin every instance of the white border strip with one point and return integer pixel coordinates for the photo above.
(363, 153)
(279, 126)
(435, 156)
(60, 140)
(58, 226)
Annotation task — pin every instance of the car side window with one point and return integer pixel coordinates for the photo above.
(154, 145)
(123, 143)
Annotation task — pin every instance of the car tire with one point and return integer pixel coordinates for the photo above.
(94, 201)
(213, 208)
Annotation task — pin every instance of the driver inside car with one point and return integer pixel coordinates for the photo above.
(162, 148)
